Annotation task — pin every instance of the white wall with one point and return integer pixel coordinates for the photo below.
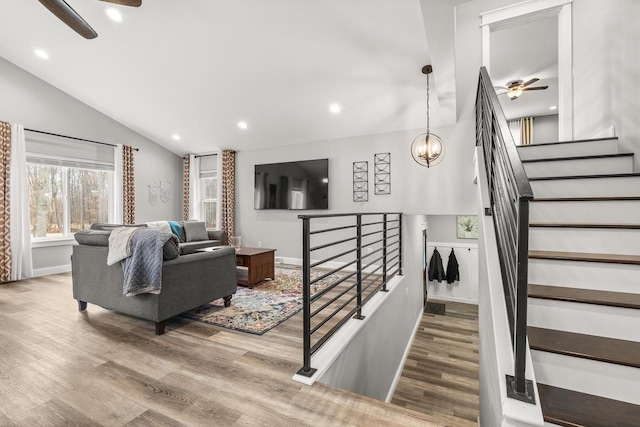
(444, 189)
(382, 344)
(37, 105)
(545, 129)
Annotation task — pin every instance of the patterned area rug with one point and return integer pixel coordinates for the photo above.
(264, 307)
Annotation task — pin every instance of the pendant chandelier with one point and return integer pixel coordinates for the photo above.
(427, 149)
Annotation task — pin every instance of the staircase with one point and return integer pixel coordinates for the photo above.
(584, 282)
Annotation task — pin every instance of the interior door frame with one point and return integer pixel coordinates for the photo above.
(525, 12)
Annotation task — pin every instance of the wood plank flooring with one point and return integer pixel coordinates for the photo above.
(441, 372)
(62, 367)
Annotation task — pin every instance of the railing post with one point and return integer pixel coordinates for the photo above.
(384, 253)
(359, 267)
(306, 369)
(400, 244)
(521, 296)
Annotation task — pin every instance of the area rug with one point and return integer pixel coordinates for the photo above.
(263, 307)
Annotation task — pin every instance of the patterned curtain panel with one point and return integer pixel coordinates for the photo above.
(185, 187)
(128, 186)
(526, 130)
(5, 214)
(227, 221)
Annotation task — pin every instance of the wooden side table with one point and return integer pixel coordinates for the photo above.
(260, 263)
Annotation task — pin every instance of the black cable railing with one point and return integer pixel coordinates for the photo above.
(510, 194)
(334, 294)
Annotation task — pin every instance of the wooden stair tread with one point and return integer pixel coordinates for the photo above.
(583, 225)
(587, 257)
(587, 199)
(610, 350)
(569, 142)
(585, 296)
(571, 408)
(589, 157)
(597, 176)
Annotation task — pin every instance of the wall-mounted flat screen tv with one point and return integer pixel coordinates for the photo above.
(292, 185)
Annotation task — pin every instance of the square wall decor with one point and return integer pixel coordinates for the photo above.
(382, 173)
(467, 226)
(360, 181)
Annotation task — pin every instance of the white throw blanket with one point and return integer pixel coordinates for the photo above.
(160, 225)
(119, 247)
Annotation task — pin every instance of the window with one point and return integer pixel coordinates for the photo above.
(71, 185)
(63, 199)
(209, 186)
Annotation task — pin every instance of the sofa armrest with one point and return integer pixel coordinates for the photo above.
(219, 235)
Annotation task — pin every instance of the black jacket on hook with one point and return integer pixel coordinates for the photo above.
(436, 270)
(453, 273)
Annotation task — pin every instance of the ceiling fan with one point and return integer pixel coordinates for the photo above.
(515, 88)
(66, 14)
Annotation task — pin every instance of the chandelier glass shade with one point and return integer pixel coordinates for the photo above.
(427, 149)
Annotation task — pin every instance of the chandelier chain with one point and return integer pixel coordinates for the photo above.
(427, 105)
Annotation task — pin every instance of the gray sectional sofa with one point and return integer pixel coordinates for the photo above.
(190, 278)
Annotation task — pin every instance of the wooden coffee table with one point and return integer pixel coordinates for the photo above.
(260, 263)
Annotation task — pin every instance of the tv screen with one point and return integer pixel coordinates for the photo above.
(292, 185)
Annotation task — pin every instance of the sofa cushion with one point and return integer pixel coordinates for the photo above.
(195, 231)
(109, 227)
(190, 247)
(178, 230)
(93, 237)
(170, 250)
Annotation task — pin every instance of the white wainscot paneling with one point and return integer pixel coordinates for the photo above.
(464, 290)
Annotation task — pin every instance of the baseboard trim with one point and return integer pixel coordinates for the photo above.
(396, 379)
(39, 272)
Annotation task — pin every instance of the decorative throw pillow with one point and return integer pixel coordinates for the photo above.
(170, 249)
(176, 228)
(195, 231)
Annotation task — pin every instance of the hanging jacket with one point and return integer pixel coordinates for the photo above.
(453, 272)
(436, 270)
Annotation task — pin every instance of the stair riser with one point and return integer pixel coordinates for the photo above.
(580, 167)
(588, 376)
(587, 187)
(589, 319)
(566, 150)
(602, 212)
(585, 275)
(593, 240)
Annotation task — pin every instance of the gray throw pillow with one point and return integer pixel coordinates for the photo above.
(170, 249)
(93, 237)
(195, 231)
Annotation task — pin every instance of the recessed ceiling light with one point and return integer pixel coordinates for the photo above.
(553, 107)
(243, 125)
(114, 14)
(41, 53)
(176, 137)
(335, 108)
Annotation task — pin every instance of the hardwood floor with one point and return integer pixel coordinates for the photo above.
(441, 372)
(62, 367)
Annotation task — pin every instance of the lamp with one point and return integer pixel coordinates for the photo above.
(427, 149)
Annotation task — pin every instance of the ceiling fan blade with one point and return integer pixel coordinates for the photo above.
(132, 3)
(66, 14)
(536, 88)
(527, 83)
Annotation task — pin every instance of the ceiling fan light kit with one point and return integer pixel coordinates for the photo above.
(516, 88)
(69, 16)
(427, 149)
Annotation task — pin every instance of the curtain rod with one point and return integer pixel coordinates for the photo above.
(205, 155)
(73, 137)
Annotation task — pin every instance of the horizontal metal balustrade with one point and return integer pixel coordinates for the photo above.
(352, 259)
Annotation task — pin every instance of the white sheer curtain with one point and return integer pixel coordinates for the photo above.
(118, 196)
(515, 127)
(21, 260)
(195, 196)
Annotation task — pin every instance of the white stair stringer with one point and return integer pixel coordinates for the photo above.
(590, 240)
(587, 187)
(586, 212)
(589, 319)
(588, 376)
(587, 166)
(568, 149)
(585, 275)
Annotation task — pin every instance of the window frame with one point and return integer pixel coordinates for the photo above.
(203, 200)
